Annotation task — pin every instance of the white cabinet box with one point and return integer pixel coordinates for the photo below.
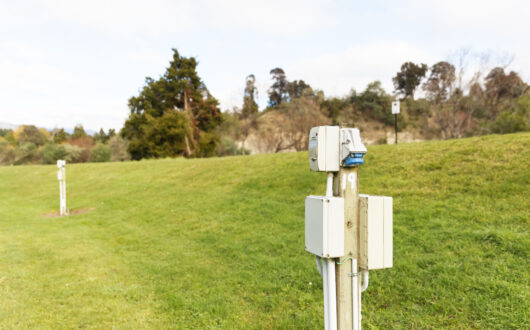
(375, 232)
(324, 149)
(324, 226)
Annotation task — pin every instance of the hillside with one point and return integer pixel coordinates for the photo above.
(219, 242)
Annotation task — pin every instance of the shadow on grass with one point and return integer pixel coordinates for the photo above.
(70, 212)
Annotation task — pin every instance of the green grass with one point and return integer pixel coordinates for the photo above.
(219, 243)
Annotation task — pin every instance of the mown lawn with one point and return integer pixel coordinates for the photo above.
(219, 243)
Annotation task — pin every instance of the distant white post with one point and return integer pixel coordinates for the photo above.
(61, 176)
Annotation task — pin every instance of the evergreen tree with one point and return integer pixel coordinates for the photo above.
(59, 135)
(79, 132)
(101, 136)
(173, 115)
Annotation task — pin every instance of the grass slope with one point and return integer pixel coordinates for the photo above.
(210, 243)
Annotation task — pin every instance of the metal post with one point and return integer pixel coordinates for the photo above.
(330, 293)
(395, 126)
(61, 175)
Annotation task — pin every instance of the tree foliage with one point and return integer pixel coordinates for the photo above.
(53, 152)
(409, 78)
(278, 92)
(118, 148)
(440, 84)
(335, 106)
(501, 90)
(100, 153)
(374, 103)
(250, 106)
(59, 135)
(31, 145)
(297, 89)
(173, 115)
(30, 134)
(79, 132)
(282, 90)
(4, 131)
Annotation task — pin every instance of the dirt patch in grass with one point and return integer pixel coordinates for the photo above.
(70, 212)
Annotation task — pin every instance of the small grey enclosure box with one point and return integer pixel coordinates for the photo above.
(324, 226)
(376, 232)
(323, 149)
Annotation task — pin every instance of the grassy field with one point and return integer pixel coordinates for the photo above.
(219, 243)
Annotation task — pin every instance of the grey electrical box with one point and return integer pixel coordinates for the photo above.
(324, 226)
(324, 149)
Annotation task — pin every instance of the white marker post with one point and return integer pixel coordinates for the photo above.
(395, 112)
(61, 176)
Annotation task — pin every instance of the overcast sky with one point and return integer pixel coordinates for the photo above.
(69, 62)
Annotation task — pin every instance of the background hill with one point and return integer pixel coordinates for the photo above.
(218, 242)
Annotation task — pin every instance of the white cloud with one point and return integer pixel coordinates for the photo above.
(356, 66)
(50, 96)
(485, 15)
(274, 17)
(63, 62)
(125, 18)
(129, 18)
(336, 73)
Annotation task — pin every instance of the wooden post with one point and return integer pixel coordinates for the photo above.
(346, 185)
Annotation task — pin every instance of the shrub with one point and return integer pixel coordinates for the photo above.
(73, 153)
(228, 147)
(118, 148)
(26, 153)
(207, 145)
(85, 143)
(509, 123)
(30, 133)
(7, 153)
(50, 153)
(515, 119)
(100, 153)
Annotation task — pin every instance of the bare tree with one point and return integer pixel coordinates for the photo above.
(249, 112)
(288, 128)
(456, 92)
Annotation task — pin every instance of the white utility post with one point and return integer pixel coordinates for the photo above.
(349, 233)
(61, 176)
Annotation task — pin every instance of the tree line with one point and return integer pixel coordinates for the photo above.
(454, 106)
(31, 145)
(441, 101)
(176, 116)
